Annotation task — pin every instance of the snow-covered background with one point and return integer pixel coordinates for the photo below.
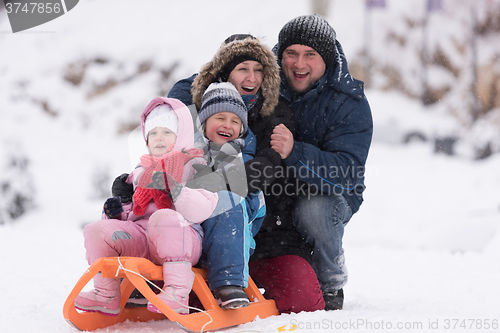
(423, 252)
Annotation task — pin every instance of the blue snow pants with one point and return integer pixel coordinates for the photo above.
(228, 242)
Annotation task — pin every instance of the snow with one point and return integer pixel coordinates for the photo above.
(422, 252)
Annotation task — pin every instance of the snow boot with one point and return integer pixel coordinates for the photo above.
(334, 300)
(231, 297)
(178, 280)
(105, 298)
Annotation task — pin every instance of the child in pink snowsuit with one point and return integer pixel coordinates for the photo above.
(161, 223)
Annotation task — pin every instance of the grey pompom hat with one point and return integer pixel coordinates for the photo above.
(223, 97)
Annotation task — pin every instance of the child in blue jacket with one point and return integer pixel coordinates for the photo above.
(228, 243)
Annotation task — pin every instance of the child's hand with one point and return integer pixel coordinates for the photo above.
(122, 189)
(113, 207)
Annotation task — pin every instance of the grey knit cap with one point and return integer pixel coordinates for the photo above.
(223, 97)
(311, 30)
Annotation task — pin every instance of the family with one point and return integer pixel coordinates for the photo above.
(261, 182)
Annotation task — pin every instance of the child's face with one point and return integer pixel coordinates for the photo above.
(222, 127)
(247, 77)
(161, 140)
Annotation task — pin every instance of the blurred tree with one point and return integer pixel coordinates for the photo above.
(17, 193)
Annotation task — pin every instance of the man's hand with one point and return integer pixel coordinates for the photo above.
(282, 141)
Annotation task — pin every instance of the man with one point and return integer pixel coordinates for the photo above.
(333, 135)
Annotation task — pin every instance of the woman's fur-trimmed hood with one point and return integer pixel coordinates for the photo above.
(252, 47)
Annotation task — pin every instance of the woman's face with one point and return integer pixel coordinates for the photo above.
(247, 77)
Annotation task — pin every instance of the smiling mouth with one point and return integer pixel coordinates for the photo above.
(300, 75)
(248, 89)
(224, 134)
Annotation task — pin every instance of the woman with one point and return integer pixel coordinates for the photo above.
(280, 261)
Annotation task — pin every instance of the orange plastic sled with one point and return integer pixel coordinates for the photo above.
(213, 317)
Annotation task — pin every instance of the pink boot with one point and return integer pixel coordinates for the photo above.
(105, 298)
(178, 278)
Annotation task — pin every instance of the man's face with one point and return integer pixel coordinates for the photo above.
(302, 66)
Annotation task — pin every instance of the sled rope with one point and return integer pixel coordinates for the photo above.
(120, 267)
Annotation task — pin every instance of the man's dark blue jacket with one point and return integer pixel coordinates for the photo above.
(334, 129)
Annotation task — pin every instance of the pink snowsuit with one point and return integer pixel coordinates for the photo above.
(160, 235)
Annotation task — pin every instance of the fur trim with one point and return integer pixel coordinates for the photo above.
(270, 87)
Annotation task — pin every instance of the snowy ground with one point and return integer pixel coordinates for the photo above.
(417, 255)
(422, 252)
